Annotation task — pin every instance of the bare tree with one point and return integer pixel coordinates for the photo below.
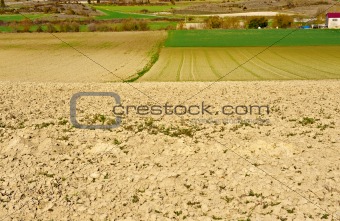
(2, 3)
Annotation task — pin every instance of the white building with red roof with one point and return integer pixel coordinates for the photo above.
(333, 20)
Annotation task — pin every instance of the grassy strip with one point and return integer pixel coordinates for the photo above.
(5, 29)
(21, 18)
(138, 8)
(161, 25)
(34, 28)
(122, 15)
(153, 60)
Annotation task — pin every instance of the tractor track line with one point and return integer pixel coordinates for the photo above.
(210, 64)
(179, 70)
(299, 64)
(243, 67)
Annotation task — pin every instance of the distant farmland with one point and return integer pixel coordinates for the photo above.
(135, 12)
(240, 55)
(122, 15)
(223, 63)
(137, 8)
(41, 57)
(21, 17)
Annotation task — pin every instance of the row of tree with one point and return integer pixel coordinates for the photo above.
(280, 21)
(77, 26)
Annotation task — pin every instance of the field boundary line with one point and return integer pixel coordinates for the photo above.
(154, 58)
(192, 67)
(179, 70)
(161, 73)
(251, 58)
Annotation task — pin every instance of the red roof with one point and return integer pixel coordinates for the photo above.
(333, 15)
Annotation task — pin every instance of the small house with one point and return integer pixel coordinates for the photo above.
(333, 20)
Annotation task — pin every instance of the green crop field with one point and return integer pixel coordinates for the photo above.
(246, 63)
(247, 38)
(5, 29)
(138, 8)
(162, 25)
(20, 17)
(123, 15)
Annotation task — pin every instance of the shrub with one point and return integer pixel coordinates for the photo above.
(92, 27)
(46, 10)
(70, 12)
(231, 23)
(62, 27)
(103, 27)
(320, 16)
(75, 27)
(39, 29)
(26, 28)
(214, 22)
(14, 28)
(181, 25)
(143, 25)
(170, 27)
(51, 28)
(26, 24)
(54, 10)
(258, 22)
(291, 3)
(144, 11)
(68, 27)
(283, 21)
(134, 25)
(129, 25)
(84, 13)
